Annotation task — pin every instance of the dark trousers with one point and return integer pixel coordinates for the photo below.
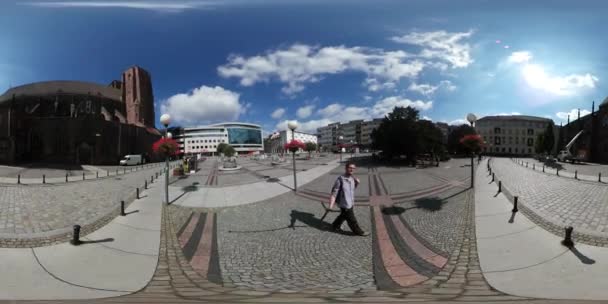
(347, 215)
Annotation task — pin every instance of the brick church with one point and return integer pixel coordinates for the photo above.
(78, 122)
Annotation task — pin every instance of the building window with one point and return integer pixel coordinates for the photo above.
(515, 150)
(530, 142)
(509, 149)
(529, 150)
(503, 150)
(497, 141)
(530, 131)
(497, 130)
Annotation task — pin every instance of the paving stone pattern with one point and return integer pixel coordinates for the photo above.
(35, 211)
(555, 202)
(438, 219)
(281, 244)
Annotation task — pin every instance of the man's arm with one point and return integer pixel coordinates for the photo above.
(334, 193)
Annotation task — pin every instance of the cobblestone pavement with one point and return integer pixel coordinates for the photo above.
(267, 227)
(582, 168)
(43, 211)
(563, 201)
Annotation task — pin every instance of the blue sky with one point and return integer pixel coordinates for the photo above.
(318, 61)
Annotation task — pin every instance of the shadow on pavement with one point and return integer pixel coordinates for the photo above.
(130, 212)
(429, 203)
(584, 259)
(308, 219)
(512, 219)
(86, 241)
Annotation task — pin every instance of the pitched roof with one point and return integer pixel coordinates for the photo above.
(63, 87)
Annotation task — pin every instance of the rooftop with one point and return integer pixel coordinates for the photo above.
(516, 117)
(54, 87)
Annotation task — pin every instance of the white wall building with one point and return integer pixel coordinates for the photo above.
(279, 139)
(513, 134)
(244, 137)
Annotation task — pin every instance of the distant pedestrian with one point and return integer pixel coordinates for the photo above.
(343, 192)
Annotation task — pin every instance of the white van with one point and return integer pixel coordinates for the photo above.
(129, 160)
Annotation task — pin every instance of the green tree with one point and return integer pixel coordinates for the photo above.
(310, 147)
(397, 134)
(549, 139)
(454, 137)
(221, 148)
(229, 151)
(539, 146)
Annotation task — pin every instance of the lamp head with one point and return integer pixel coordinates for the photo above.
(169, 135)
(471, 117)
(292, 125)
(165, 119)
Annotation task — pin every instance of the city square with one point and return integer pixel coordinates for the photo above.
(191, 151)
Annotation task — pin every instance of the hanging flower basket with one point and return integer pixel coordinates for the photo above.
(472, 142)
(166, 147)
(294, 146)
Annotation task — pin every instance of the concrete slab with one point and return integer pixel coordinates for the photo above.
(20, 265)
(522, 259)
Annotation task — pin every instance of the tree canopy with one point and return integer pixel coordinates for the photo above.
(456, 135)
(403, 133)
(221, 147)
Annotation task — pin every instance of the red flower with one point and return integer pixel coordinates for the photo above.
(294, 145)
(473, 142)
(166, 147)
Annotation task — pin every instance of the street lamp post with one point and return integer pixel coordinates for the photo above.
(292, 126)
(165, 119)
(472, 118)
(340, 146)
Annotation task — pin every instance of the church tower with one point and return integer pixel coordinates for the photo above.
(138, 97)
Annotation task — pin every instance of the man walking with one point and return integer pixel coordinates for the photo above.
(343, 192)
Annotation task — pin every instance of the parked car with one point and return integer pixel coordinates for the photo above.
(131, 160)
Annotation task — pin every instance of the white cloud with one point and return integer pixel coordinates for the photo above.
(429, 89)
(520, 57)
(310, 126)
(537, 78)
(278, 113)
(305, 111)
(204, 105)
(458, 122)
(301, 64)
(426, 118)
(337, 112)
(447, 85)
(386, 105)
(424, 89)
(573, 114)
(374, 85)
(162, 6)
(441, 45)
(507, 114)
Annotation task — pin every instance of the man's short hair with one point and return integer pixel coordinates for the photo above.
(348, 164)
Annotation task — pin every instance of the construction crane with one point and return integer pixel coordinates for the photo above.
(565, 155)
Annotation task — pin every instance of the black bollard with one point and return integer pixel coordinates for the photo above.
(543, 168)
(499, 186)
(66, 177)
(107, 173)
(137, 193)
(526, 164)
(599, 177)
(493, 177)
(122, 208)
(145, 184)
(97, 174)
(18, 178)
(152, 179)
(82, 175)
(575, 174)
(533, 166)
(76, 236)
(43, 179)
(557, 172)
(514, 204)
(568, 239)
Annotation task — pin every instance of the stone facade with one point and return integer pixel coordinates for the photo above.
(75, 122)
(593, 143)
